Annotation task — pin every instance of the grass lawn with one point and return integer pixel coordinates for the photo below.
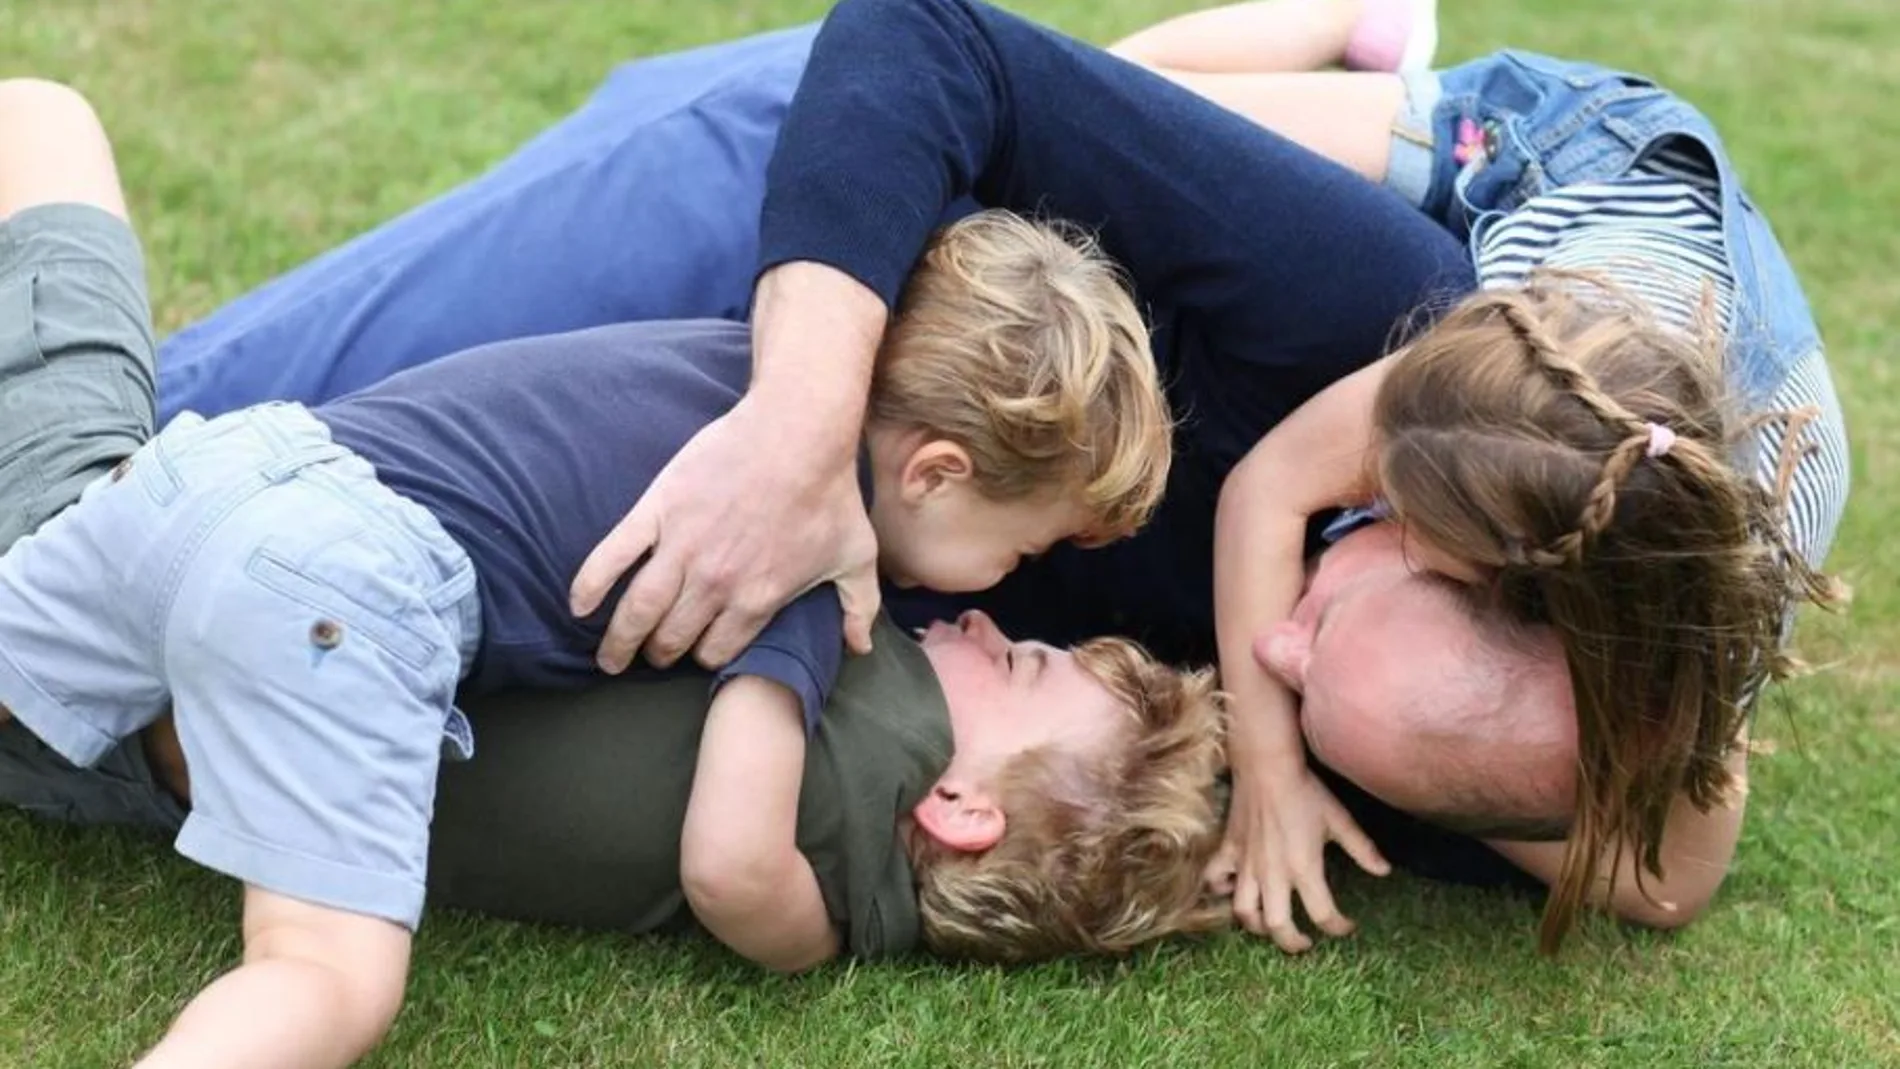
(253, 135)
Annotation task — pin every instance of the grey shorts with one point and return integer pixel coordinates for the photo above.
(76, 371)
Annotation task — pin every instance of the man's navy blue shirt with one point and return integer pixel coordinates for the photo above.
(530, 451)
(1266, 271)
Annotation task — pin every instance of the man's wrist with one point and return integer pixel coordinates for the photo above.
(822, 433)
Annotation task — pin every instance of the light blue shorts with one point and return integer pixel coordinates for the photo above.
(307, 624)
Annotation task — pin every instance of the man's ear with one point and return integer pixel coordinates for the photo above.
(1284, 650)
(960, 816)
(935, 464)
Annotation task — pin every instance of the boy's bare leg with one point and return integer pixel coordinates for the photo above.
(1261, 37)
(1346, 116)
(1266, 61)
(55, 150)
(318, 988)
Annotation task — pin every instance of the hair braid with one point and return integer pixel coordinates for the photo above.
(1517, 433)
(1568, 376)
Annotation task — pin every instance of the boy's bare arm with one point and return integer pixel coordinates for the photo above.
(739, 860)
(318, 988)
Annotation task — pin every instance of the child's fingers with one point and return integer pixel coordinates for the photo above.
(1357, 844)
(1317, 898)
(1277, 916)
(1249, 902)
(1221, 875)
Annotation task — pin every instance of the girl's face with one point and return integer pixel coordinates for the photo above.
(1424, 556)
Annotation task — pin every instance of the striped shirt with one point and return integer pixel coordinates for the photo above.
(1657, 234)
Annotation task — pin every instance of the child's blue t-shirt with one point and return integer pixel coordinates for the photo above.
(530, 451)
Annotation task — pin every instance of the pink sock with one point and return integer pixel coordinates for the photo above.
(1394, 35)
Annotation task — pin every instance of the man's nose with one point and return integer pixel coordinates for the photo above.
(1283, 650)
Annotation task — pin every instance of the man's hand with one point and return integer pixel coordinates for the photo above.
(763, 504)
(738, 524)
(1275, 847)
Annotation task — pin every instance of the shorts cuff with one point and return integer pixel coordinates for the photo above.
(68, 232)
(311, 879)
(1414, 138)
(49, 719)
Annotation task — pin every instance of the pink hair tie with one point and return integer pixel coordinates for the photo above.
(1661, 440)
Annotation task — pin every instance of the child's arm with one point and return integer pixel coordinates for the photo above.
(1697, 847)
(318, 988)
(739, 860)
(1282, 816)
(799, 650)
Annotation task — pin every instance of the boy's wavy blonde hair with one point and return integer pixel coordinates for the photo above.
(1581, 453)
(1101, 852)
(1019, 341)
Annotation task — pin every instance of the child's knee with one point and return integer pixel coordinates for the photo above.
(57, 150)
(20, 97)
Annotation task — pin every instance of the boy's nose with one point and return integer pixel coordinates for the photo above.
(977, 625)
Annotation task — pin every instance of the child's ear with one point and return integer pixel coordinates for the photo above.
(932, 466)
(960, 816)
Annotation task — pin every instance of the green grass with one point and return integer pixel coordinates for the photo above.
(255, 135)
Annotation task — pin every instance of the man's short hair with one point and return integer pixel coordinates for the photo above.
(1100, 853)
(1505, 688)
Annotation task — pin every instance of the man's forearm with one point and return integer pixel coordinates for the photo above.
(815, 334)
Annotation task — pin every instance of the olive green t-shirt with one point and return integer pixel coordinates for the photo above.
(570, 812)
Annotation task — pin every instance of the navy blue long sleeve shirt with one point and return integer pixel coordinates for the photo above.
(1267, 272)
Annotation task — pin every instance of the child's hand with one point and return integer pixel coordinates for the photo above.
(1282, 816)
(1277, 830)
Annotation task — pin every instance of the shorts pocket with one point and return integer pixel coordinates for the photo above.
(19, 333)
(381, 624)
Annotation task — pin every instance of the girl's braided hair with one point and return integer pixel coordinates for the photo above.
(1581, 454)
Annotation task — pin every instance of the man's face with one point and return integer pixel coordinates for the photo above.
(1006, 697)
(1389, 665)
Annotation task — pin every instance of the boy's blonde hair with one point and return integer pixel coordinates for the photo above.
(1100, 853)
(1019, 341)
(1581, 451)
